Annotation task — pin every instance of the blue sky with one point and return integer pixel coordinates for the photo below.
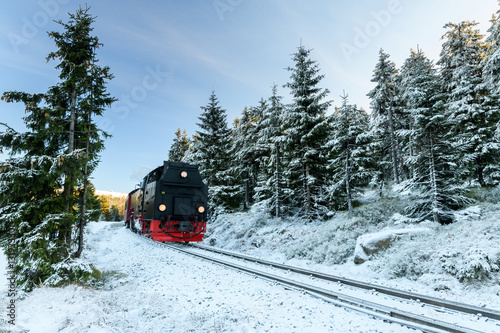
(168, 56)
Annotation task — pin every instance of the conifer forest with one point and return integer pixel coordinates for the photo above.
(432, 129)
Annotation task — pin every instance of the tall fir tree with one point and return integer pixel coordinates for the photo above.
(269, 135)
(213, 142)
(305, 128)
(180, 146)
(84, 85)
(246, 151)
(349, 161)
(385, 118)
(491, 69)
(211, 153)
(491, 79)
(59, 151)
(436, 194)
(469, 113)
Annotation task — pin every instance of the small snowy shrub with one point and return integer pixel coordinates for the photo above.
(485, 194)
(75, 270)
(381, 212)
(330, 242)
(473, 265)
(101, 278)
(408, 258)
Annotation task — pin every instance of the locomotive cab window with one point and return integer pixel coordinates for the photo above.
(154, 177)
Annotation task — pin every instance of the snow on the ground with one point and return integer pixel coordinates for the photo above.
(148, 288)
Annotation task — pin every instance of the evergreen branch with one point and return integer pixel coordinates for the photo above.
(8, 127)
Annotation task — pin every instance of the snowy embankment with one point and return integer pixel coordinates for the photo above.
(459, 262)
(148, 288)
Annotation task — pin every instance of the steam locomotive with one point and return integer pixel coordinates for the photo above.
(170, 204)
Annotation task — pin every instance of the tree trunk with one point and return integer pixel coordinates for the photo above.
(246, 204)
(348, 184)
(480, 175)
(71, 148)
(65, 230)
(83, 208)
(393, 146)
(277, 179)
(72, 120)
(432, 179)
(413, 170)
(307, 189)
(83, 216)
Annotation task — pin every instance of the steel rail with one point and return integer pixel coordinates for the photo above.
(381, 311)
(451, 305)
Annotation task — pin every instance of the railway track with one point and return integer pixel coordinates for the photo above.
(377, 301)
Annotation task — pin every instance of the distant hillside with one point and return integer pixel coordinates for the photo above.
(110, 193)
(112, 205)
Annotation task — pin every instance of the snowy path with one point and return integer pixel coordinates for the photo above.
(152, 289)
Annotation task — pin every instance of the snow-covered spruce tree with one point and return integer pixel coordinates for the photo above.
(256, 153)
(419, 88)
(434, 190)
(305, 128)
(83, 85)
(385, 121)
(491, 69)
(56, 154)
(247, 152)
(211, 151)
(491, 80)
(402, 122)
(349, 161)
(180, 146)
(269, 135)
(32, 208)
(469, 112)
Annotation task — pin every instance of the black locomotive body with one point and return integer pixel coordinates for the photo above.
(170, 204)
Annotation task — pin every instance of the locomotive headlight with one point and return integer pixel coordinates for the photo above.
(162, 207)
(184, 174)
(201, 209)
